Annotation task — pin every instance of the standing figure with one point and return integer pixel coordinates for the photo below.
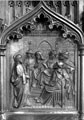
(58, 79)
(38, 68)
(29, 65)
(18, 80)
(63, 73)
(49, 81)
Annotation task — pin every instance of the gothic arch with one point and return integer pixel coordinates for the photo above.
(56, 19)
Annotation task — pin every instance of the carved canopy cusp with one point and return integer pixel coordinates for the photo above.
(42, 18)
(15, 36)
(65, 31)
(26, 28)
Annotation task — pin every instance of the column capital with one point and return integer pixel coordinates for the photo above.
(19, 3)
(11, 3)
(2, 49)
(81, 49)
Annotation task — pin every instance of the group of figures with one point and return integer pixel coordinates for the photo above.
(48, 74)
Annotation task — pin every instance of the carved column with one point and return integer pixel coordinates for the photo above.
(75, 11)
(11, 4)
(58, 6)
(19, 5)
(63, 8)
(67, 9)
(81, 105)
(2, 79)
(27, 5)
(72, 11)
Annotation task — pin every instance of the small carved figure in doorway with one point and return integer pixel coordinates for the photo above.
(29, 65)
(38, 68)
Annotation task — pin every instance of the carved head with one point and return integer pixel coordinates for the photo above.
(18, 58)
(51, 55)
(38, 55)
(63, 56)
(30, 54)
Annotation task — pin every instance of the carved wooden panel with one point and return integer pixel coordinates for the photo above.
(48, 73)
(41, 72)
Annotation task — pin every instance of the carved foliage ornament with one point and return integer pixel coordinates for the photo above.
(19, 3)
(27, 3)
(11, 3)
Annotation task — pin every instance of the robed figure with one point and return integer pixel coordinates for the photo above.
(18, 80)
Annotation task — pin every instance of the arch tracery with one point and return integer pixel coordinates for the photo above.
(56, 19)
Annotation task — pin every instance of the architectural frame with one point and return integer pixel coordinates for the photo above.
(72, 29)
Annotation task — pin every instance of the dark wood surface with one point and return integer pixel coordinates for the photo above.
(42, 117)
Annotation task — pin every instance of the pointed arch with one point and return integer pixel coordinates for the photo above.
(43, 8)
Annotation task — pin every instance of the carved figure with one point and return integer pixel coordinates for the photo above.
(63, 73)
(49, 81)
(44, 81)
(29, 65)
(38, 67)
(58, 79)
(18, 80)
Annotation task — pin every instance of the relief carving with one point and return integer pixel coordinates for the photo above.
(40, 80)
(43, 76)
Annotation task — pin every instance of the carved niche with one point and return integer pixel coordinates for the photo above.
(42, 62)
